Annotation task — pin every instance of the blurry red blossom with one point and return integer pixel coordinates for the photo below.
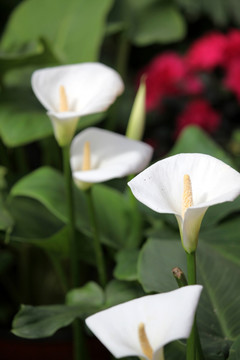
(232, 51)
(191, 85)
(207, 52)
(232, 79)
(200, 113)
(162, 76)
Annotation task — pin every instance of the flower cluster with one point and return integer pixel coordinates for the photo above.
(192, 79)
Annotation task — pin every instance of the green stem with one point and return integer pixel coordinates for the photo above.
(182, 281)
(123, 54)
(77, 327)
(191, 268)
(71, 217)
(96, 240)
(191, 342)
(194, 349)
(59, 271)
(135, 231)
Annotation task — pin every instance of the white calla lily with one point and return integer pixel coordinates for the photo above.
(111, 156)
(142, 327)
(161, 188)
(84, 89)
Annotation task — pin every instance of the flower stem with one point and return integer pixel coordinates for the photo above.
(96, 240)
(77, 328)
(71, 217)
(182, 281)
(191, 342)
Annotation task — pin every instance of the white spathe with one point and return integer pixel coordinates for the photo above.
(112, 156)
(90, 88)
(160, 187)
(167, 317)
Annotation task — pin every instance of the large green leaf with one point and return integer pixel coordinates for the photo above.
(159, 23)
(235, 350)
(23, 120)
(43, 321)
(35, 53)
(218, 312)
(47, 186)
(73, 28)
(225, 239)
(126, 267)
(31, 219)
(195, 140)
(118, 292)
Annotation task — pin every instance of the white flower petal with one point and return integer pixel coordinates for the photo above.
(160, 186)
(167, 317)
(112, 155)
(90, 88)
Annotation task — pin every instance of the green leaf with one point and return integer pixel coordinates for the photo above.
(195, 140)
(218, 311)
(6, 220)
(235, 350)
(126, 267)
(234, 9)
(118, 292)
(217, 11)
(47, 186)
(90, 293)
(35, 53)
(156, 261)
(31, 219)
(75, 34)
(159, 23)
(218, 212)
(34, 322)
(42, 321)
(225, 239)
(23, 120)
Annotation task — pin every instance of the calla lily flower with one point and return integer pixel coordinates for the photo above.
(71, 91)
(186, 185)
(142, 327)
(99, 155)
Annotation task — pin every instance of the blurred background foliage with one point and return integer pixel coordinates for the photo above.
(126, 35)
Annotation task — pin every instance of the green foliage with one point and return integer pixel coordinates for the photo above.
(34, 212)
(47, 187)
(70, 35)
(23, 121)
(218, 311)
(126, 267)
(43, 321)
(195, 140)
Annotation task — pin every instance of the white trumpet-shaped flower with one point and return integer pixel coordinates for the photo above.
(142, 327)
(71, 91)
(99, 155)
(186, 185)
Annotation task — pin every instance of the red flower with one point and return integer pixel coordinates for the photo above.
(199, 113)
(191, 85)
(207, 52)
(232, 79)
(162, 76)
(232, 51)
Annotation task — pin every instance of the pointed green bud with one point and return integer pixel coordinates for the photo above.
(136, 123)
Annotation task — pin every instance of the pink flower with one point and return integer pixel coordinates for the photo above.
(162, 76)
(191, 85)
(207, 52)
(199, 113)
(232, 51)
(232, 79)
